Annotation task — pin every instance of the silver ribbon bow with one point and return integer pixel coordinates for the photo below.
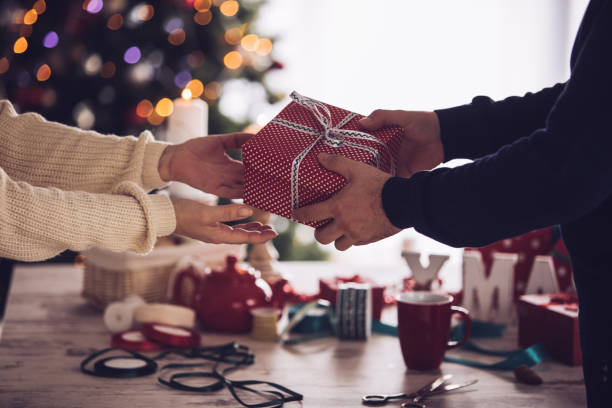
(331, 135)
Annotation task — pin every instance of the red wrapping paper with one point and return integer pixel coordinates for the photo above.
(270, 156)
(553, 321)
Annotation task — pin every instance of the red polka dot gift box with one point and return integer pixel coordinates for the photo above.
(282, 172)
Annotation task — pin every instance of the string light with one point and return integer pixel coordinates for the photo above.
(249, 42)
(115, 21)
(212, 90)
(43, 73)
(144, 108)
(92, 6)
(195, 59)
(51, 39)
(92, 65)
(229, 8)
(155, 119)
(30, 17)
(108, 69)
(182, 78)
(25, 30)
(20, 46)
(4, 65)
(146, 12)
(177, 37)
(232, 60)
(132, 55)
(202, 5)
(195, 87)
(202, 17)
(164, 107)
(40, 6)
(264, 46)
(233, 36)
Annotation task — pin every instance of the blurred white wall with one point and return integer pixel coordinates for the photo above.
(403, 54)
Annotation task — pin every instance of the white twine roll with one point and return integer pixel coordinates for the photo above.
(172, 315)
(119, 316)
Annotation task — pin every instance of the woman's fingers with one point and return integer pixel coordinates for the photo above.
(224, 213)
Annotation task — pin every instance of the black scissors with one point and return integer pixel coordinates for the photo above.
(379, 399)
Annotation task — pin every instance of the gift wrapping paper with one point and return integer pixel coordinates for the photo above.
(282, 172)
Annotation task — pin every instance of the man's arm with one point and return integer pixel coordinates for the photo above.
(484, 126)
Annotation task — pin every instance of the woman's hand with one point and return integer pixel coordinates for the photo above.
(203, 164)
(205, 223)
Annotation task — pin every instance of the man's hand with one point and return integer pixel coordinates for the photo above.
(356, 211)
(203, 164)
(205, 223)
(421, 145)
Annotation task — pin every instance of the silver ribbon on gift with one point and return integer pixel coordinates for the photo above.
(331, 135)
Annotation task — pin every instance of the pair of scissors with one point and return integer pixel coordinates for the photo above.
(375, 399)
(435, 387)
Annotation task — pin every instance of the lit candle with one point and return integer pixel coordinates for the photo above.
(188, 120)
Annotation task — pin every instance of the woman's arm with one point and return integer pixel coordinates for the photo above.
(46, 154)
(37, 223)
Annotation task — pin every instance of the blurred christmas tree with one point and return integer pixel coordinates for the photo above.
(116, 65)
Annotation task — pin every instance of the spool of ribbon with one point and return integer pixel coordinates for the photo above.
(354, 311)
(125, 366)
(265, 323)
(119, 316)
(172, 315)
(133, 340)
(330, 134)
(171, 335)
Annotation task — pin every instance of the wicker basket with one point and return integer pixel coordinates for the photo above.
(111, 276)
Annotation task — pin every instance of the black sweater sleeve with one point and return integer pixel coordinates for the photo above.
(484, 126)
(552, 176)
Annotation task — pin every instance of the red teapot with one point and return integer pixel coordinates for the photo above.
(224, 298)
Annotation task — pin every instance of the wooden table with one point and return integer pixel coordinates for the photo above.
(49, 329)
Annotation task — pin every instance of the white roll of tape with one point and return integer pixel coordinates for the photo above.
(172, 315)
(119, 316)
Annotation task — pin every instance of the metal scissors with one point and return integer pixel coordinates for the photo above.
(416, 401)
(434, 388)
(379, 399)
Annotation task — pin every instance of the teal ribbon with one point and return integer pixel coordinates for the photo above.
(514, 358)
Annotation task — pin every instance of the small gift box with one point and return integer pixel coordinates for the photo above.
(282, 172)
(328, 290)
(553, 321)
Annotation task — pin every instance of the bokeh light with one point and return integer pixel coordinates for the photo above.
(51, 39)
(164, 107)
(115, 21)
(92, 65)
(30, 17)
(4, 65)
(229, 8)
(195, 87)
(132, 55)
(202, 5)
(142, 73)
(40, 6)
(186, 94)
(83, 116)
(173, 24)
(249, 42)
(155, 119)
(176, 37)
(195, 59)
(264, 46)
(233, 36)
(182, 78)
(43, 73)
(20, 46)
(92, 6)
(212, 90)
(144, 108)
(25, 30)
(108, 69)
(232, 60)
(146, 12)
(202, 17)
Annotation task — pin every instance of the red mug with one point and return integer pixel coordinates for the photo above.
(424, 320)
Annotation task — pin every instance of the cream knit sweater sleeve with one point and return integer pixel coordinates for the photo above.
(62, 188)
